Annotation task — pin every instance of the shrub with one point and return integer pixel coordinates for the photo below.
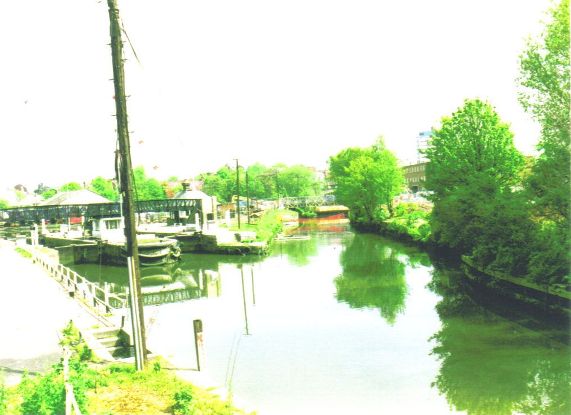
(183, 403)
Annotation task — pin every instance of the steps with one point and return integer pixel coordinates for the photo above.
(109, 343)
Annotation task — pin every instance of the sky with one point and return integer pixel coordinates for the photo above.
(263, 81)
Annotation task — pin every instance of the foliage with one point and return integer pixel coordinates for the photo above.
(550, 254)
(146, 188)
(298, 181)
(269, 225)
(125, 391)
(472, 158)
(220, 184)
(472, 142)
(70, 187)
(545, 86)
(45, 394)
(72, 338)
(4, 204)
(23, 252)
(504, 240)
(365, 179)
(48, 193)
(3, 394)
(105, 188)
(263, 182)
(183, 403)
(410, 220)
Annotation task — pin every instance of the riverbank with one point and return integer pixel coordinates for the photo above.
(410, 224)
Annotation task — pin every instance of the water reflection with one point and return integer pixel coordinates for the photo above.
(495, 360)
(298, 252)
(159, 284)
(373, 276)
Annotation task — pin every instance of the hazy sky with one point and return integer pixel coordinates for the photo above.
(269, 81)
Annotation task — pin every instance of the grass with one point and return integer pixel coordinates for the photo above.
(117, 389)
(23, 252)
(268, 225)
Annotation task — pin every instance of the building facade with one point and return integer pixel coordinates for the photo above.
(415, 176)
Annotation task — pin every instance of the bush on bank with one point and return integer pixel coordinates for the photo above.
(112, 389)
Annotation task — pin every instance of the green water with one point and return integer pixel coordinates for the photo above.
(348, 323)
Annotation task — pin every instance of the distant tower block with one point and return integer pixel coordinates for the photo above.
(421, 145)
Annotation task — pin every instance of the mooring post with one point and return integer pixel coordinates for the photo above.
(198, 340)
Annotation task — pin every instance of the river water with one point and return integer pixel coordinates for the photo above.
(349, 323)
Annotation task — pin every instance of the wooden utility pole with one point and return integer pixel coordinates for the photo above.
(247, 197)
(126, 189)
(238, 191)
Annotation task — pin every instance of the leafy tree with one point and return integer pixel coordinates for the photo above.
(105, 188)
(221, 184)
(4, 204)
(472, 158)
(146, 188)
(545, 86)
(259, 183)
(70, 187)
(365, 179)
(48, 193)
(298, 181)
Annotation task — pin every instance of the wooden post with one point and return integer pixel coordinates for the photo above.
(198, 340)
(126, 188)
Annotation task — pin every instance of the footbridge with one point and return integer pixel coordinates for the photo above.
(309, 202)
(35, 214)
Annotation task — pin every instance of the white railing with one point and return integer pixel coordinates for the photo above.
(100, 300)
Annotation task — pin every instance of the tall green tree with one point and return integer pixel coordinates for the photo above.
(298, 181)
(221, 184)
(104, 187)
(147, 188)
(366, 179)
(472, 158)
(545, 85)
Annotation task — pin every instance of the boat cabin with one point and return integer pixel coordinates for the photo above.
(108, 229)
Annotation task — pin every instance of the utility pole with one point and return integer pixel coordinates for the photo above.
(126, 189)
(238, 192)
(247, 197)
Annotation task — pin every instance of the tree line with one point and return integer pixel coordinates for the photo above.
(508, 212)
(257, 180)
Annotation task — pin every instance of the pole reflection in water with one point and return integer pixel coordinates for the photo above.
(244, 301)
(349, 323)
(253, 286)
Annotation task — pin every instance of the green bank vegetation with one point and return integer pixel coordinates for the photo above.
(109, 389)
(508, 214)
(268, 225)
